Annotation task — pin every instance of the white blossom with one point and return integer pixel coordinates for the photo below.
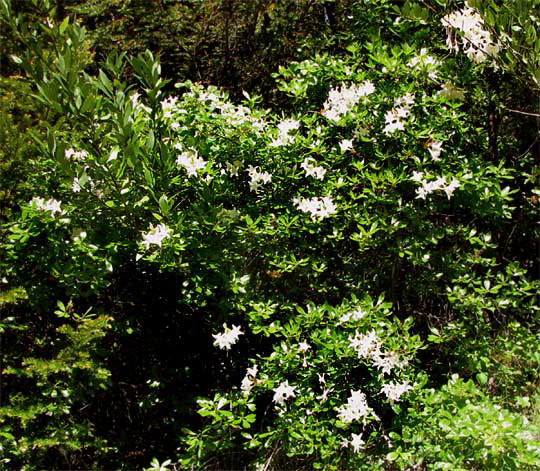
(356, 442)
(355, 315)
(156, 235)
(356, 408)
(250, 380)
(341, 100)
(435, 149)
(227, 338)
(394, 391)
(439, 184)
(257, 178)
(318, 208)
(284, 136)
(313, 170)
(387, 361)
(51, 205)
(345, 145)
(190, 160)
(394, 118)
(75, 155)
(476, 41)
(366, 345)
(426, 62)
(284, 392)
(76, 185)
(138, 106)
(168, 105)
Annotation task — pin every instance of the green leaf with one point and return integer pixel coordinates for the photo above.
(63, 25)
(482, 378)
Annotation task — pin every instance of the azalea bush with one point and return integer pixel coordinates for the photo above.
(332, 264)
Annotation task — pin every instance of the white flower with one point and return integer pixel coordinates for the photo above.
(228, 337)
(304, 347)
(137, 106)
(476, 41)
(76, 186)
(435, 185)
(156, 235)
(288, 125)
(250, 380)
(51, 205)
(417, 176)
(451, 187)
(72, 154)
(313, 170)
(394, 118)
(168, 106)
(435, 149)
(356, 442)
(345, 145)
(257, 177)
(284, 132)
(190, 161)
(284, 392)
(341, 101)
(355, 315)
(356, 408)
(366, 345)
(319, 208)
(234, 168)
(394, 391)
(387, 361)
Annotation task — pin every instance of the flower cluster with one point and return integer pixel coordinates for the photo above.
(425, 61)
(313, 170)
(430, 186)
(234, 167)
(227, 338)
(156, 235)
(257, 177)
(284, 392)
(394, 391)
(355, 315)
(284, 132)
(476, 41)
(318, 208)
(190, 160)
(341, 100)
(356, 408)
(395, 118)
(51, 205)
(168, 106)
(369, 346)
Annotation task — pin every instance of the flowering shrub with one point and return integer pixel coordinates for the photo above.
(348, 241)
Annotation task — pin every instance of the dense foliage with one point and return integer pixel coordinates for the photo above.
(328, 261)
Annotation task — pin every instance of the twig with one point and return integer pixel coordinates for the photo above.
(536, 115)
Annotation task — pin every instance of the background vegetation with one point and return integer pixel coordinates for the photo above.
(269, 235)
